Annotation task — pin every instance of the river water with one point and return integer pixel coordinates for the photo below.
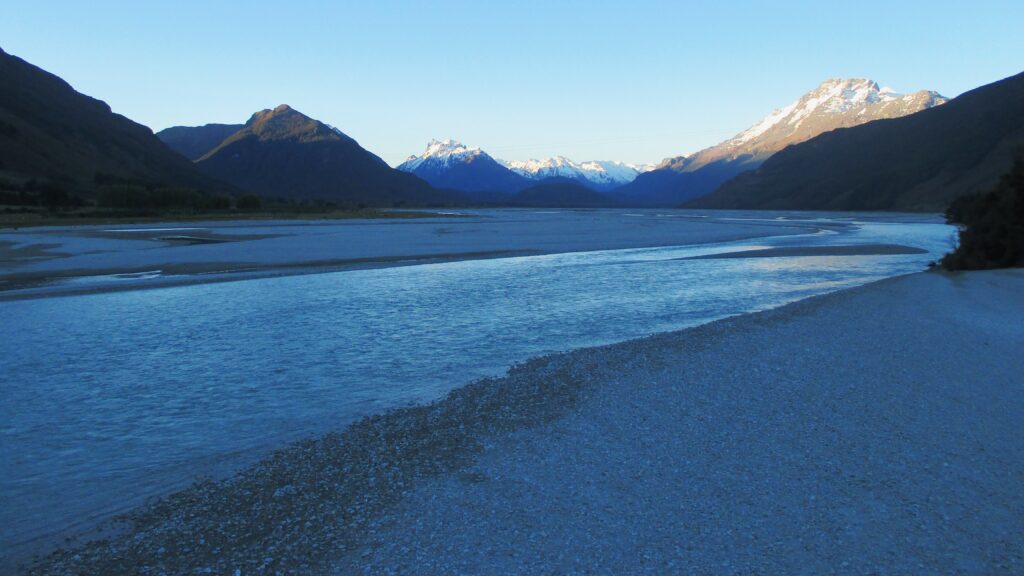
(108, 399)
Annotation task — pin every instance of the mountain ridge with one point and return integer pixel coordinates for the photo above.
(599, 175)
(449, 163)
(918, 162)
(193, 142)
(282, 153)
(49, 131)
(845, 103)
(834, 103)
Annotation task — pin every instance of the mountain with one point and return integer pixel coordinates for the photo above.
(836, 103)
(601, 175)
(51, 133)
(919, 162)
(666, 187)
(450, 164)
(282, 153)
(561, 193)
(193, 142)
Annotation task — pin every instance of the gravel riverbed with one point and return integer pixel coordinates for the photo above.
(866, 431)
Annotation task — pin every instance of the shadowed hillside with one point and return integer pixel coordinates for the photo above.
(561, 194)
(55, 139)
(919, 162)
(193, 142)
(282, 153)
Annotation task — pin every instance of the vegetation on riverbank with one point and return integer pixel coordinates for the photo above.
(21, 216)
(35, 202)
(993, 225)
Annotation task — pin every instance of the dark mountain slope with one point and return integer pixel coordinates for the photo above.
(477, 174)
(282, 153)
(919, 162)
(561, 193)
(667, 187)
(51, 133)
(193, 142)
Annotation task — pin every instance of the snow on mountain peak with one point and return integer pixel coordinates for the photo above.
(442, 152)
(604, 172)
(448, 147)
(835, 96)
(530, 168)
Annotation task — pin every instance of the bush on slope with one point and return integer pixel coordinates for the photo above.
(993, 233)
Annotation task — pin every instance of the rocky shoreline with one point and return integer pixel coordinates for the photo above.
(313, 501)
(401, 490)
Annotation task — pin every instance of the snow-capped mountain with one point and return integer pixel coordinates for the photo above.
(450, 164)
(441, 153)
(835, 103)
(597, 174)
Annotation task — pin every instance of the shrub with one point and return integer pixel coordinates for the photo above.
(122, 196)
(54, 197)
(139, 197)
(249, 202)
(993, 225)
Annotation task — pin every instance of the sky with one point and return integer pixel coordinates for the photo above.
(630, 81)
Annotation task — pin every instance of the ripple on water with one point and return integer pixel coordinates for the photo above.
(111, 398)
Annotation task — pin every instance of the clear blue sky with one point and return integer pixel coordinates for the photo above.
(632, 81)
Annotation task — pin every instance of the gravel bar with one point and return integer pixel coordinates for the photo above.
(874, 430)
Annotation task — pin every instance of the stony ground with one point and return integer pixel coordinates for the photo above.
(875, 430)
(308, 504)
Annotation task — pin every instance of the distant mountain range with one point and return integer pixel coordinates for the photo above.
(836, 103)
(282, 153)
(600, 175)
(450, 164)
(847, 145)
(918, 162)
(53, 135)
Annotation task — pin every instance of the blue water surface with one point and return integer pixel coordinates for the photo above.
(108, 399)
